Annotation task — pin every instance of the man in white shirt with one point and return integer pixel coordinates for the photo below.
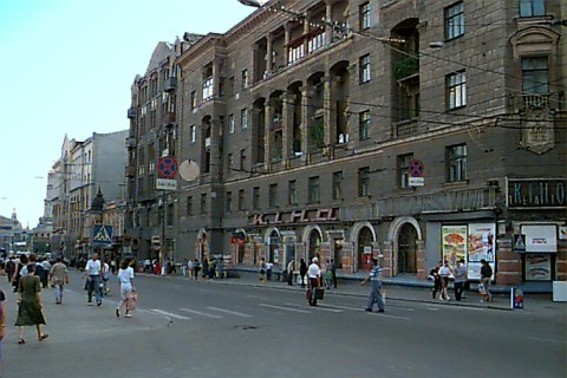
(313, 274)
(93, 271)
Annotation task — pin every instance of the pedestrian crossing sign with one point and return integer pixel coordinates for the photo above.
(520, 243)
(102, 236)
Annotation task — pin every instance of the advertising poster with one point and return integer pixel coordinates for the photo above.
(454, 243)
(538, 267)
(540, 238)
(481, 244)
(516, 298)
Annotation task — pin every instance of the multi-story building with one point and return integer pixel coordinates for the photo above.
(349, 129)
(83, 169)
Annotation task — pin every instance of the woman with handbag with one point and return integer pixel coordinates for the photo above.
(30, 305)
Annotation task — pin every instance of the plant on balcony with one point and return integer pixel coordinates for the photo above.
(405, 67)
(317, 133)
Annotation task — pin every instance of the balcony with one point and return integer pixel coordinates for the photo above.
(406, 67)
(170, 85)
(132, 113)
(169, 119)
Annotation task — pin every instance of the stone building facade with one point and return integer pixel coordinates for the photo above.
(413, 131)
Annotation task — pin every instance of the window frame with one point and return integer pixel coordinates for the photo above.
(256, 198)
(244, 79)
(364, 122)
(364, 69)
(192, 133)
(533, 74)
(228, 202)
(244, 118)
(531, 11)
(337, 193)
(364, 182)
(403, 162)
(273, 195)
(313, 188)
(454, 19)
(364, 14)
(456, 90)
(292, 192)
(457, 170)
(231, 123)
(241, 199)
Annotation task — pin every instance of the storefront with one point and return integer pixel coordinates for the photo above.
(537, 245)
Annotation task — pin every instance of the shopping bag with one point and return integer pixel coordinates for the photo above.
(481, 289)
(308, 294)
(319, 293)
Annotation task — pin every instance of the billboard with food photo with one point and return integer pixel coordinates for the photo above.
(481, 244)
(454, 243)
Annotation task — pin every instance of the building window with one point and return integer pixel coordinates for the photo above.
(230, 161)
(244, 118)
(208, 88)
(456, 90)
(364, 125)
(457, 163)
(364, 69)
(273, 195)
(364, 14)
(292, 192)
(241, 199)
(192, 133)
(243, 160)
(189, 206)
(256, 197)
(230, 88)
(535, 76)
(364, 182)
(229, 202)
(244, 81)
(203, 208)
(532, 8)
(313, 190)
(403, 170)
(337, 186)
(231, 123)
(193, 100)
(454, 21)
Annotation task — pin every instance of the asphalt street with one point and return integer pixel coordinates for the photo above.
(210, 329)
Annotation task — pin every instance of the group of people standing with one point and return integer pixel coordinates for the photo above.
(441, 276)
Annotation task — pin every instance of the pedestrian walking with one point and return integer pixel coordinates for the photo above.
(191, 268)
(302, 271)
(460, 279)
(197, 268)
(10, 269)
(375, 279)
(147, 266)
(334, 272)
(2, 321)
(93, 270)
(184, 267)
(328, 275)
(30, 305)
(314, 276)
(106, 274)
(269, 268)
(436, 278)
(445, 273)
(21, 264)
(46, 268)
(205, 265)
(125, 277)
(485, 277)
(262, 270)
(59, 277)
(290, 270)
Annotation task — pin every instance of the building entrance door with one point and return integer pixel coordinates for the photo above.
(407, 261)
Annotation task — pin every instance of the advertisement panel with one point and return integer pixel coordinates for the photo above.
(481, 245)
(454, 243)
(537, 267)
(540, 238)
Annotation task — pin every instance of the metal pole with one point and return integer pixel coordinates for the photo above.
(163, 245)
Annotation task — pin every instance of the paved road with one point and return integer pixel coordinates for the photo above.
(209, 329)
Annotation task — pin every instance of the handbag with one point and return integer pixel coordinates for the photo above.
(308, 294)
(319, 293)
(481, 288)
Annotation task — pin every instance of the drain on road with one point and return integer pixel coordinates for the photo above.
(245, 327)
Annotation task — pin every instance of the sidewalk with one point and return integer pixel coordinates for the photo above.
(395, 292)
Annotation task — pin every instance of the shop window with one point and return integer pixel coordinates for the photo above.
(456, 85)
(457, 163)
(532, 8)
(454, 21)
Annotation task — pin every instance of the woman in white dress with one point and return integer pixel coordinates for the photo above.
(125, 277)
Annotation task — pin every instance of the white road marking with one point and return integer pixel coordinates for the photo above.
(346, 307)
(170, 314)
(285, 308)
(230, 312)
(201, 313)
(319, 307)
(388, 316)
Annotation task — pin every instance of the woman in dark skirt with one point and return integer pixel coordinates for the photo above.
(30, 305)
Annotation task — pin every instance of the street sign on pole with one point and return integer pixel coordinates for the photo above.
(416, 169)
(166, 184)
(102, 236)
(167, 167)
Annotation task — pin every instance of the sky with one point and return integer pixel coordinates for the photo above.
(66, 67)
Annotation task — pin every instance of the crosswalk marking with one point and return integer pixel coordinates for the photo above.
(201, 313)
(230, 312)
(284, 308)
(346, 307)
(319, 307)
(170, 314)
(382, 315)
